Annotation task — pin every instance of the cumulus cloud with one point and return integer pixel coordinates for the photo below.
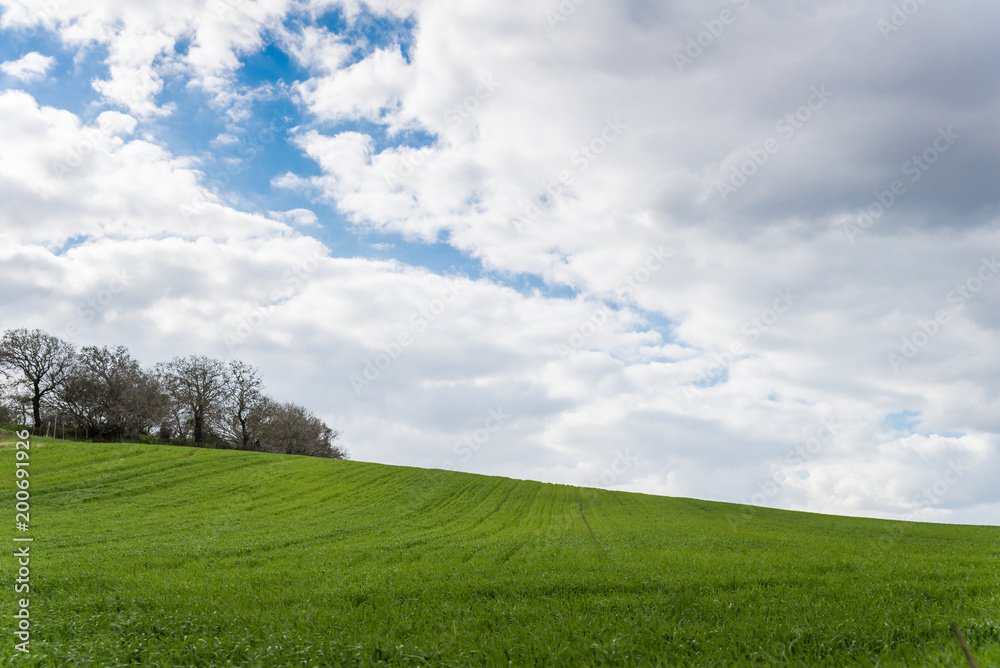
(28, 68)
(141, 40)
(116, 123)
(755, 184)
(296, 217)
(362, 90)
(765, 273)
(66, 180)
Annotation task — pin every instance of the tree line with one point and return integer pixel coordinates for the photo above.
(107, 395)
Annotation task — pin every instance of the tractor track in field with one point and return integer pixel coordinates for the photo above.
(593, 536)
(509, 492)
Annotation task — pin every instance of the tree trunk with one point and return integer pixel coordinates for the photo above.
(36, 408)
(199, 426)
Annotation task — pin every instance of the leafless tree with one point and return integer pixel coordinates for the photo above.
(81, 399)
(290, 429)
(37, 363)
(176, 424)
(7, 413)
(110, 395)
(15, 403)
(106, 391)
(246, 391)
(199, 386)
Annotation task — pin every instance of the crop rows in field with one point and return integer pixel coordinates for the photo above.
(173, 556)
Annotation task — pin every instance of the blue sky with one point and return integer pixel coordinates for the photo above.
(376, 172)
(242, 171)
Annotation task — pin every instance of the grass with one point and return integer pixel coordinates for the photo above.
(150, 555)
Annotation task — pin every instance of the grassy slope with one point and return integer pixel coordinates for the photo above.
(167, 556)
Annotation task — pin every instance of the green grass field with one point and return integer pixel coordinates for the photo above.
(169, 556)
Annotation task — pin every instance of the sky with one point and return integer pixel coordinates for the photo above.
(736, 250)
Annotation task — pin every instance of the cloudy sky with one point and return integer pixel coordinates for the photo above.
(739, 250)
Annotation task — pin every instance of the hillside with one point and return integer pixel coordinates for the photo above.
(169, 556)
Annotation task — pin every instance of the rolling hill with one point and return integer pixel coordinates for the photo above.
(169, 556)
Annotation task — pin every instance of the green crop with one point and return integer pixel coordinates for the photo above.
(148, 555)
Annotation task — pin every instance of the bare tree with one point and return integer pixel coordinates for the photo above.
(38, 363)
(176, 424)
(246, 391)
(7, 414)
(81, 398)
(293, 430)
(15, 404)
(199, 386)
(105, 391)
(110, 395)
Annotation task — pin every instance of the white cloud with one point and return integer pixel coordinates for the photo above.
(364, 90)
(65, 180)
(654, 182)
(225, 139)
(764, 321)
(28, 68)
(317, 49)
(141, 40)
(116, 123)
(296, 217)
